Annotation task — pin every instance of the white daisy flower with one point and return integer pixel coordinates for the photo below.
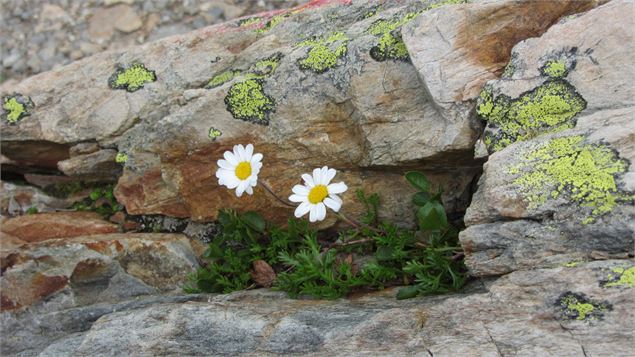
(240, 169)
(317, 193)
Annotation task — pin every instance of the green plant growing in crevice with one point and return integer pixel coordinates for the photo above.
(548, 108)
(324, 265)
(100, 200)
(131, 78)
(323, 53)
(16, 107)
(586, 173)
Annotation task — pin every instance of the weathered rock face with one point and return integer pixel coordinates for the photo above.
(456, 49)
(564, 311)
(64, 273)
(44, 226)
(560, 183)
(307, 92)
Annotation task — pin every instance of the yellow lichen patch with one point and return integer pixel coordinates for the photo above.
(15, 109)
(247, 100)
(323, 53)
(585, 173)
(621, 277)
(555, 69)
(121, 158)
(132, 78)
(572, 264)
(249, 21)
(214, 133)
(222, 78)
(548, 108)
(578, 307)
(273, 22)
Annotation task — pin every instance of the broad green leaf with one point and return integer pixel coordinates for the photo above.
(407, 292)
(432, 216)
(254, 221)
(418, 180)
(420, 199)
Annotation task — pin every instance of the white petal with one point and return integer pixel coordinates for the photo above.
(223, 164)
(225, 175)
(241, 188)
(231, 182)
(297, 198)
(321, 211)
(336, 198)
(332, 204)
(300, 190)
(240, 151)
(231, 158)
(249, 190)
(328, 176)
(255, 168)
(313, 213)
(302, 209)
(317, 176)
(308, 179)
(253, 180)
(336, 188)
(249, 151)
(256, 159)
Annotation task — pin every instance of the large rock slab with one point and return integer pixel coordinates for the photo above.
(306, 91)
(561, 125)
(44, 226)
(456, 49)
(63, 273)
(563, 311)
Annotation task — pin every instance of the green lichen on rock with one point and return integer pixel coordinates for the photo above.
(578, 307)
(555, 69)
(620, 277)
(273, 22)
(131, 78)
(323, 52)
(247, 100)
(15, 107)
(121, 158)
(446, 2)
(390, 45)
(585, 173)
(249, 21)
(222, 78)
(548, 108)
(214, 133)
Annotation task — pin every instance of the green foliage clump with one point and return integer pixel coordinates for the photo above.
(323, 53)
(16, 107)
(548, 108)
(131, 78)
(324, 265)
(101, 200)
(32, 210)
(585, 172)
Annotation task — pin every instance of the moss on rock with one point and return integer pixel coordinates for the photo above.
(323, 52)
(131, 78)
(15, 107)
(548, 108)
(586, 173)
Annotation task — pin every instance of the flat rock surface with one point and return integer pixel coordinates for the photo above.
(562, 311)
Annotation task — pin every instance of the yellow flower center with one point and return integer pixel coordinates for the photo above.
(318, 194)
(243, 170)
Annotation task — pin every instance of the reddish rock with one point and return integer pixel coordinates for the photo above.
(43, 226)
